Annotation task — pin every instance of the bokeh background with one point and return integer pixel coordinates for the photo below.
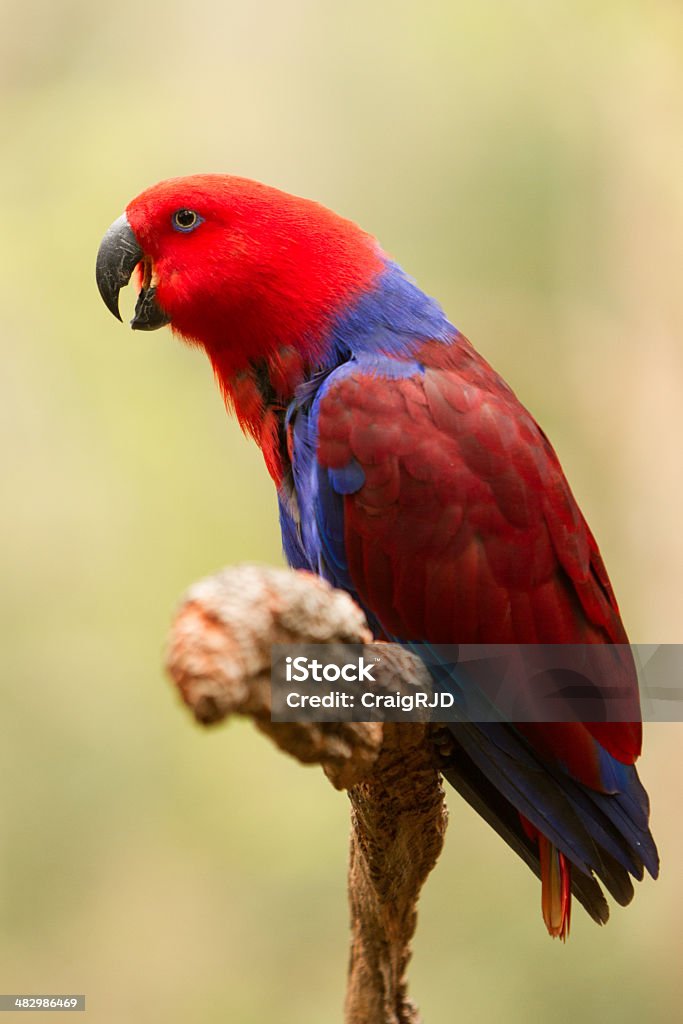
(524, 161)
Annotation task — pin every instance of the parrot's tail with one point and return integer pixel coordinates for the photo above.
(556, 883)
(556, 892)
(603, 837)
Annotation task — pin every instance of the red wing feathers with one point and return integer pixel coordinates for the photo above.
(465, 530)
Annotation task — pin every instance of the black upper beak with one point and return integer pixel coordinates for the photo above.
(117, 258)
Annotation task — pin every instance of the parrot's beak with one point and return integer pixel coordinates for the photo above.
(117, 258)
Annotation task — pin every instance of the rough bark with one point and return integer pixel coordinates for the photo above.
(219, 658)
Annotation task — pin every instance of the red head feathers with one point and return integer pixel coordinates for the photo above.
(244, 269)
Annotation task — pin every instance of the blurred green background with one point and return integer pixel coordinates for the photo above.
(524, 161)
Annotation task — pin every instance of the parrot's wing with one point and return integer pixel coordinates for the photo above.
(430, 493)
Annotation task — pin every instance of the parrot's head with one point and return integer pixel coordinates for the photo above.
(254, 275)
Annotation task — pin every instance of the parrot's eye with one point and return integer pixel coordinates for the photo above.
(186, 220)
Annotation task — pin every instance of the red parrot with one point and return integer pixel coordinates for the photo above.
(409, 474)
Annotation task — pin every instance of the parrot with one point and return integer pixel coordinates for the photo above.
(410, 475)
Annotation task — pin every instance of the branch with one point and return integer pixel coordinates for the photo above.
(219, 658)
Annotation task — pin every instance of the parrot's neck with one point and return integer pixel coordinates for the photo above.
(392, 318)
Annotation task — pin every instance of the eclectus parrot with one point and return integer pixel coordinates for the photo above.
(410, 475)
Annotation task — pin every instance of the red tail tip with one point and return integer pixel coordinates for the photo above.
(556, 896)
